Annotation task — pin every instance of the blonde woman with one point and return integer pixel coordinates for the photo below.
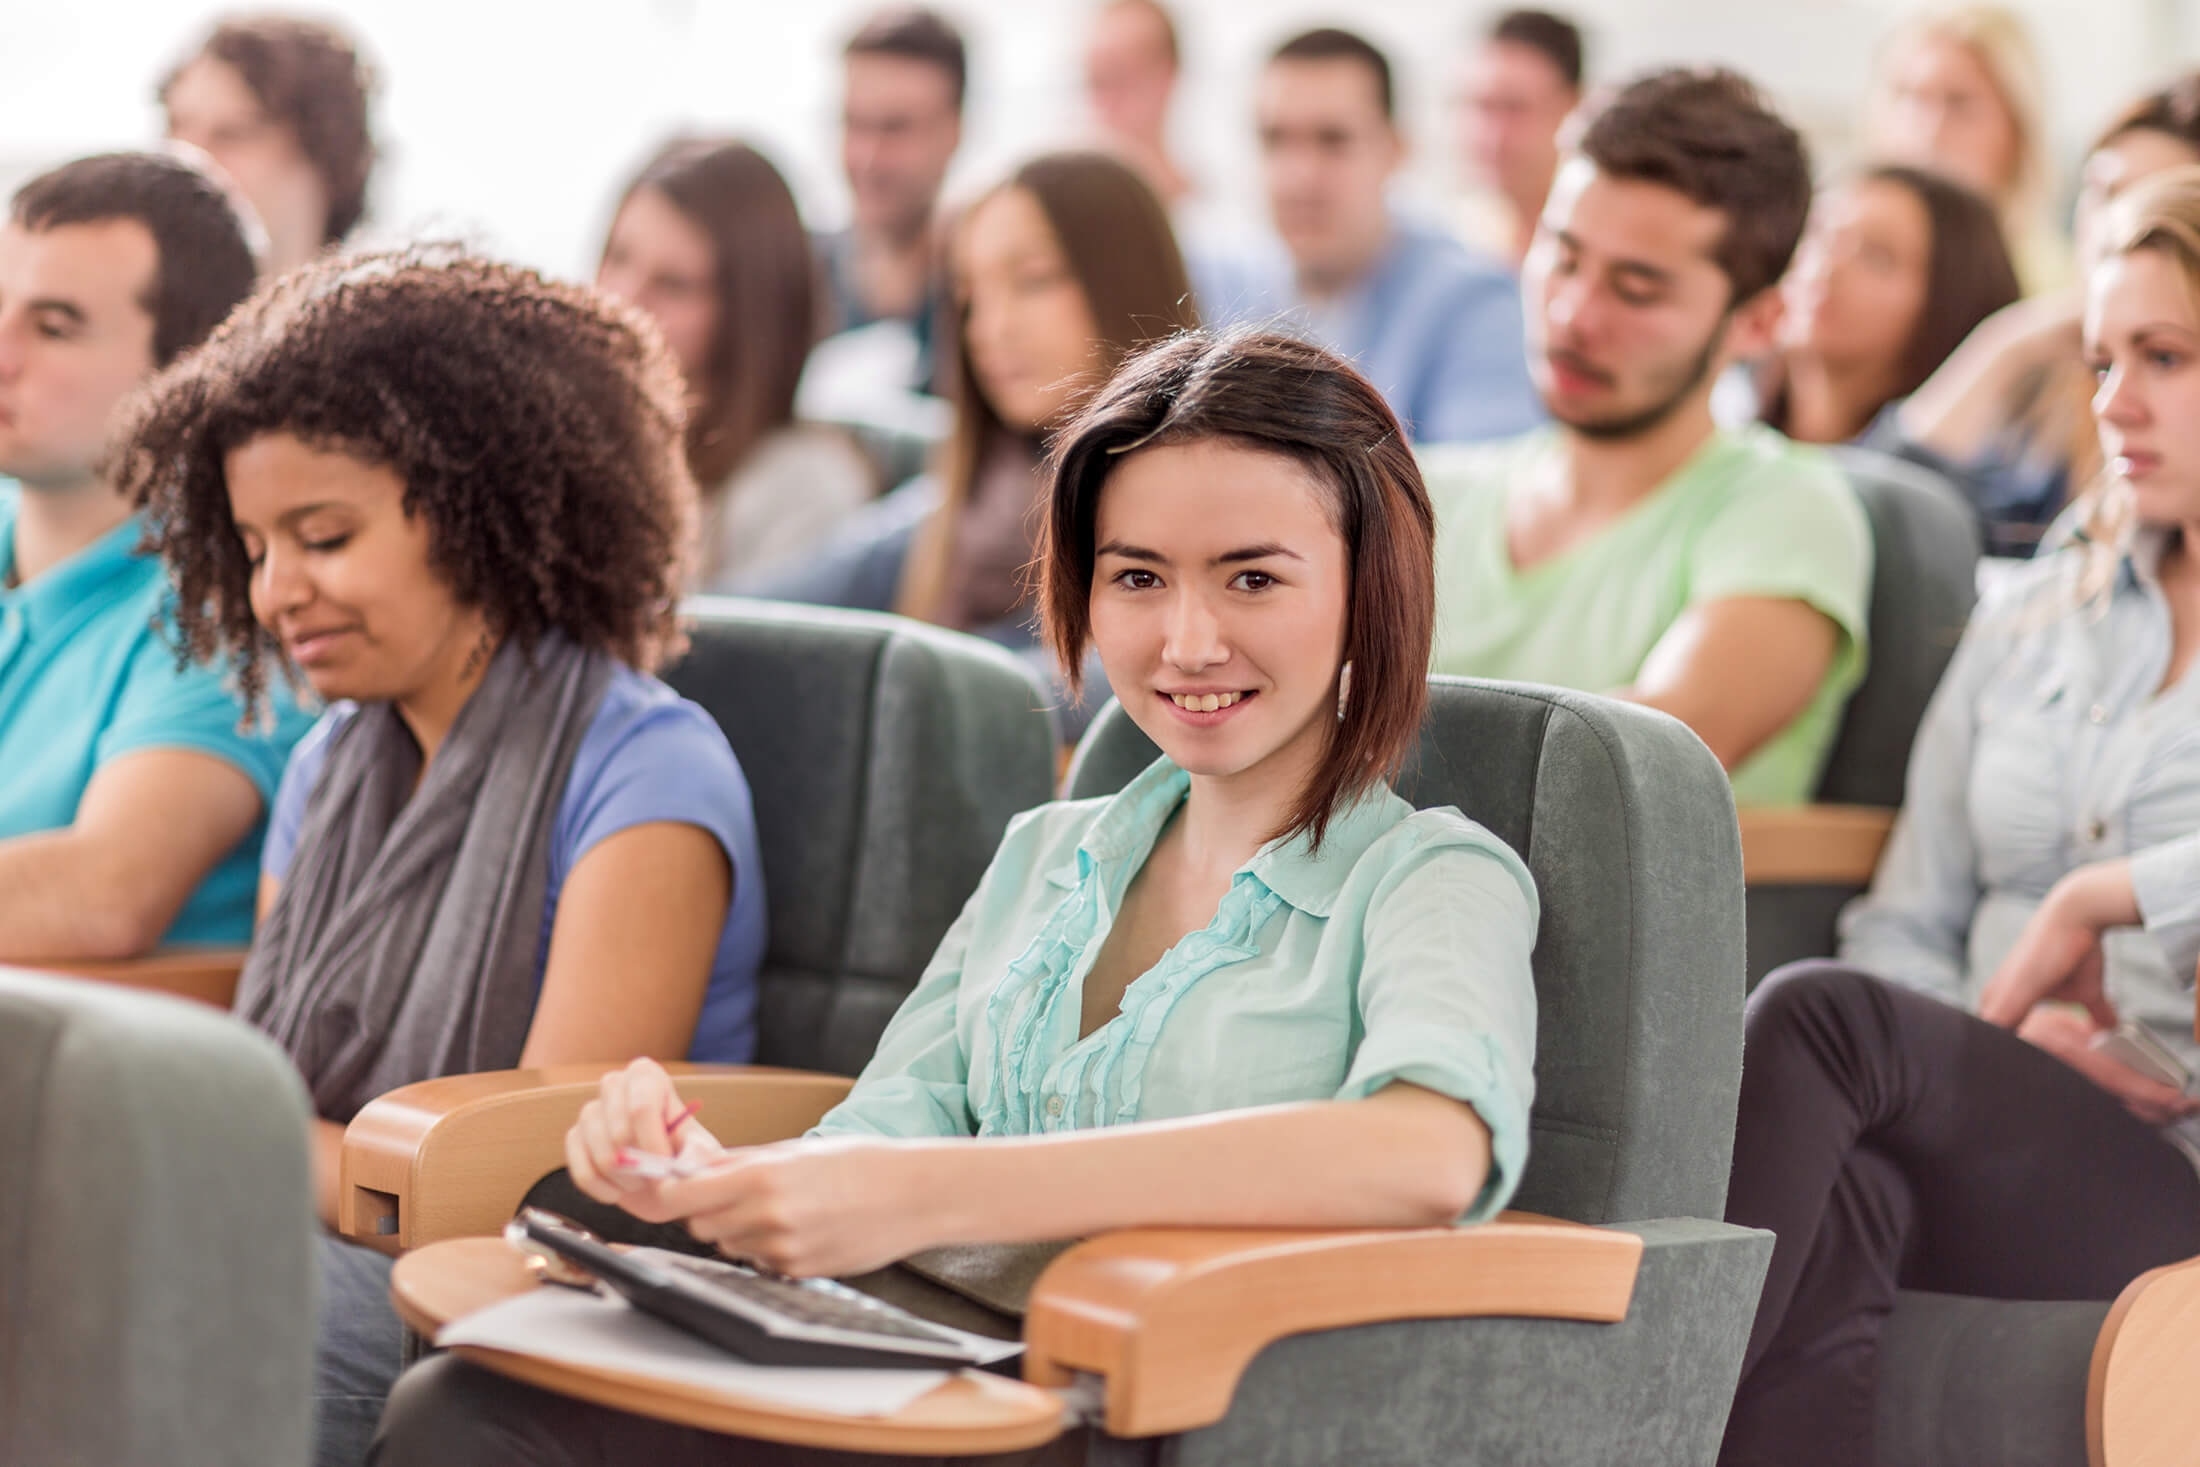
(1959, 91)
(1935, 1110)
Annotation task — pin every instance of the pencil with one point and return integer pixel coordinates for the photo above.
(683, 1117)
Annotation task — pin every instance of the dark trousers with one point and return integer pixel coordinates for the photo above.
(1890, 1141)
(448, 1412)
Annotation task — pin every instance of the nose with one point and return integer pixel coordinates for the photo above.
(1195, 640)
(1566, 304)
(11, 350)
(280, 587)
(2117, 399)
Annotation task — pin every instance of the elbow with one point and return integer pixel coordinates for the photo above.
(117, 929)
(1442, 1194)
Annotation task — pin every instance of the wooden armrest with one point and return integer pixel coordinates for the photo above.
(1170, 1317)
(2140, 1406)
(1813, 845)
(452, 1158)
(208, 974)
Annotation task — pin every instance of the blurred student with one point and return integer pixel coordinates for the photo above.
(1932, 1111)
(2007, 417)
(1233, 522)
(904, 77)
(1132, 62)
(708, 242)
(281, 104)
(131, 805)
(454, 496)
(1518, 84)
(1634, 547)
(1959, 91)
(1435, 328)
(1058, 272)
(1897, 267)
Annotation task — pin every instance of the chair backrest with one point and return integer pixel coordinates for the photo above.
(1925, 547)
(885, 758)
(156, 1233)
(1627, 824)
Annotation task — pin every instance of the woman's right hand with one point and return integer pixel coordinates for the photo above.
(629, 1113)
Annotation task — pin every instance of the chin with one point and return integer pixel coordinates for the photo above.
(2163, 501)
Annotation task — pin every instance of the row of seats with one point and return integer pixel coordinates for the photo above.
(166, 1287)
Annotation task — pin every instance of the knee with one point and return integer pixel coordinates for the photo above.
(444, 1412)
(1806, 996)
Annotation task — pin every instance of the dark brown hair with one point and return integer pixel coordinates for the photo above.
(204, 265)
(1332, 44)
(1114, 232)
(1968, 277)
(1284, 396)
(1707, 134)
(2174, 112)
(1556, 39)
(915, 34)
(309, 77)
(766, 282)
(536, 426)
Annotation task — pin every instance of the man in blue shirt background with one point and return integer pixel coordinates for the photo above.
(1435, 328)
(131, 807)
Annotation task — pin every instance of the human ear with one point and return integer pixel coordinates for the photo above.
(1754, 325)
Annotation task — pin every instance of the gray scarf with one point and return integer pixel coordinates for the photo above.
(405, 941)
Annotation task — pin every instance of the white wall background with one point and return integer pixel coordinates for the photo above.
(512, 123)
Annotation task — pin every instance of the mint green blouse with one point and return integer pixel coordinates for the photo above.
(1398, 952)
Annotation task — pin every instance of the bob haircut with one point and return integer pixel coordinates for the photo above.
(1280, 395)
(536, 426)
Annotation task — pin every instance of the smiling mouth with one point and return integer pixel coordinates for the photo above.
(1206, 702)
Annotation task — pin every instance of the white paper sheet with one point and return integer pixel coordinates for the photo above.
(609, 1334)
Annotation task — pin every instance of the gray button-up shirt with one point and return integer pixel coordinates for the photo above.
(2045, 748)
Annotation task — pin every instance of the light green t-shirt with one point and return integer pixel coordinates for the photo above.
(1751, 514)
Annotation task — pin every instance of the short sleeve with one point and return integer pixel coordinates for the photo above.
(665, 762)
(1797, 533)
(300, 775)
(2166, 880)
(162, 707)
(1446, 996)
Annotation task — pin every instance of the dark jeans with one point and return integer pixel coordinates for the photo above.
(447, 1412)
(1892, 1141)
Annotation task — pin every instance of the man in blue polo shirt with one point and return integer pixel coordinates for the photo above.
(1436, 328)
(131, 807)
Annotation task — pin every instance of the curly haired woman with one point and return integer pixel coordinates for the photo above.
(454, 497)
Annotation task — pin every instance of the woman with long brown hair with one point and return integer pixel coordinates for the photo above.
(708, 242)
(1897, 267)
(1058, 271)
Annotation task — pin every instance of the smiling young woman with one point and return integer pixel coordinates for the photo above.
(450, 497)
(1255, 988)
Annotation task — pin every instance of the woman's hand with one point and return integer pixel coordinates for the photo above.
(817, 1207)
(629, 1113)
(2068, 1035)
(2057, 958)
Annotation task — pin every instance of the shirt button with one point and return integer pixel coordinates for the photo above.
(1054, 1107)
(2096, 831)
(2098, 713)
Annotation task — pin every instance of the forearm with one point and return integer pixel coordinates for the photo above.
(1403, 1158)
(60, 899)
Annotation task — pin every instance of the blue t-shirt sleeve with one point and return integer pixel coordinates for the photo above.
(299, 776)
(669, 763)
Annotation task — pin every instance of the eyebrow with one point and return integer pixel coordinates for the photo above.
(1262, 551)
